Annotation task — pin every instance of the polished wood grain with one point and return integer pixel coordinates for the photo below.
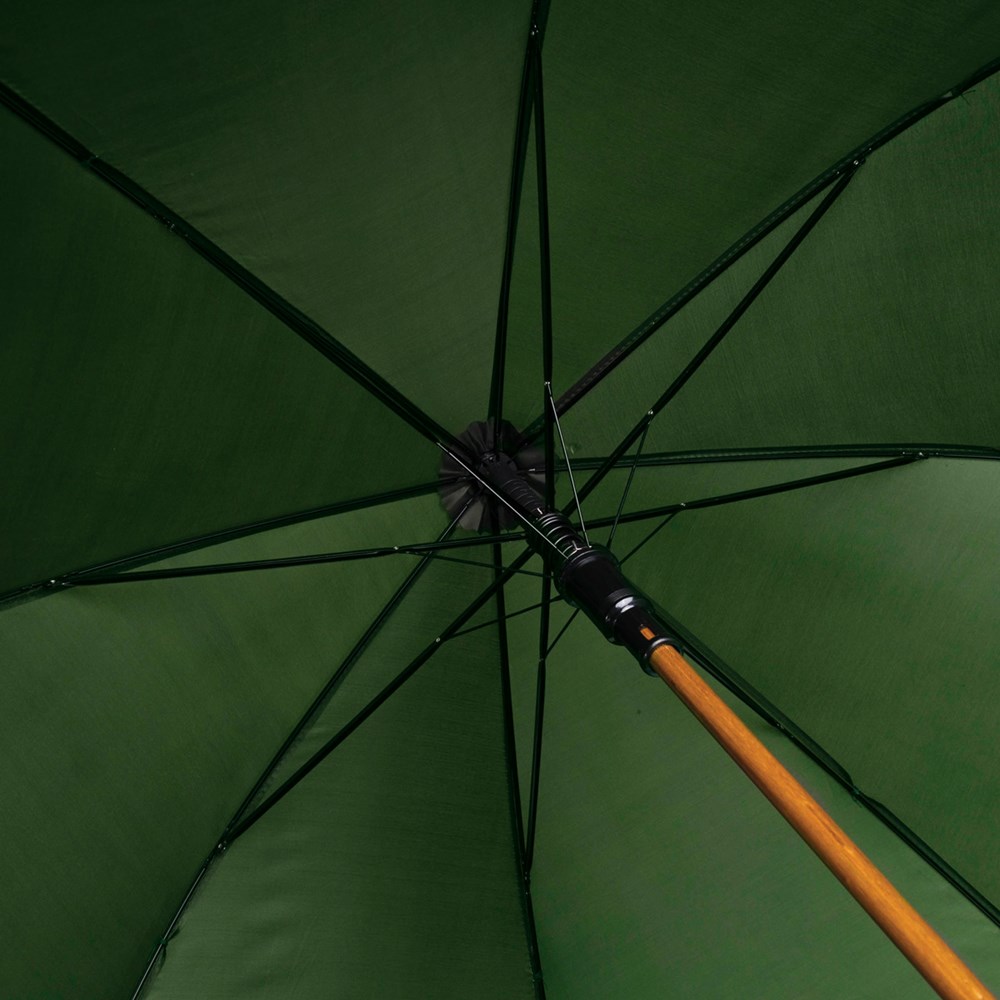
(921, 944)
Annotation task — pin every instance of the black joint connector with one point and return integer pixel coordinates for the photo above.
(592, 580)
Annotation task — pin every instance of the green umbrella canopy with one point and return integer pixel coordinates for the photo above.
(259, 259)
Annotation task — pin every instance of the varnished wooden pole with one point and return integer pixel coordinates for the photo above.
(921, 944)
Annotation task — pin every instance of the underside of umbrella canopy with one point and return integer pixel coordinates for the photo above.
(277, 722)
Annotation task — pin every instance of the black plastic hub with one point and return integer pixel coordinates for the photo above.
(461, 492)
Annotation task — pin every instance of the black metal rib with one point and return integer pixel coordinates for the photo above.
(539, 726)
(427, 549)
(161, 945)
(648, 537)
(217, 537)
(787, 452)
(545, 265)
(628, 487)
(714, 665)
(545, 277)
(554, 599)
(293, 318)
(673, 305)
(513, 780)
(387, 692)
(562, 631)
(759, 491)
(484, 565)
(521, 130)
(727, 325)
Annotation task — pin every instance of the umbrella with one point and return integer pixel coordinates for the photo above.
(261, 263)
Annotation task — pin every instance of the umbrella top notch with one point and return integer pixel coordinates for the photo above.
(463, 493)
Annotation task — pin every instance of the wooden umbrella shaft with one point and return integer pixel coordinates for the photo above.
(921, 944)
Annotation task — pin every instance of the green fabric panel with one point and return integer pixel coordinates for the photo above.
(390, 871)
(866, 611)
(881, 326)
(439, 597)
(145, 399)
(674, 129)
(769, 383)
(613, 406)
(661, 870)
(356, 157)
(878, 329)
(136, 718)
